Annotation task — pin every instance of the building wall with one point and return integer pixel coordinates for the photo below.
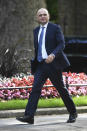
(73, 17)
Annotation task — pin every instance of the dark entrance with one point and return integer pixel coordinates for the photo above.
(76, 51)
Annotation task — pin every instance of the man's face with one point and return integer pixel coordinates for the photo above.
(42, 16)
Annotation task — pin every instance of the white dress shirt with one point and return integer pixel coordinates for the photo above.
(44, 53)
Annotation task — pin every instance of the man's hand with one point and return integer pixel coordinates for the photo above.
(50, 58)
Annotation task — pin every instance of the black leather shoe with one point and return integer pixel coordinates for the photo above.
(26, 119)
(72, 118)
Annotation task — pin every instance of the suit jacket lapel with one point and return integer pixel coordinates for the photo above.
(36, 36)
(46, 36)
(47, 33)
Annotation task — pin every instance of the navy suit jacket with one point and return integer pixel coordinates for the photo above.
(54, 43)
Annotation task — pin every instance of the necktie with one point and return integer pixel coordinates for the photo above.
(39, 57)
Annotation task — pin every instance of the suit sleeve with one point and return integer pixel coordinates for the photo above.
(60, 41)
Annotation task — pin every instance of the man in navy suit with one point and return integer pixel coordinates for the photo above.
(49, 45)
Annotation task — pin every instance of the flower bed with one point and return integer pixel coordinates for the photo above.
(22, 80)
(74, 78)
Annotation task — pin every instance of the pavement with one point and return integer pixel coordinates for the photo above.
(48, 119)
(40, 111)
(46, 123)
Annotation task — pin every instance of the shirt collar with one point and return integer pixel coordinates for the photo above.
(44, 25)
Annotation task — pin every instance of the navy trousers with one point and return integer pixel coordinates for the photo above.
(43, 72)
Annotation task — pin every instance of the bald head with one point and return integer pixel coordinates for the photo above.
(42, 16)
(42, 9)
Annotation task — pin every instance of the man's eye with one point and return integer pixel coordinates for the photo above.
(43, 15)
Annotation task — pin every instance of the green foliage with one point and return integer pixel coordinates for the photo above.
(50, 103)
(43, 103)
(80, 101)
(13, 104)
(52, 6)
